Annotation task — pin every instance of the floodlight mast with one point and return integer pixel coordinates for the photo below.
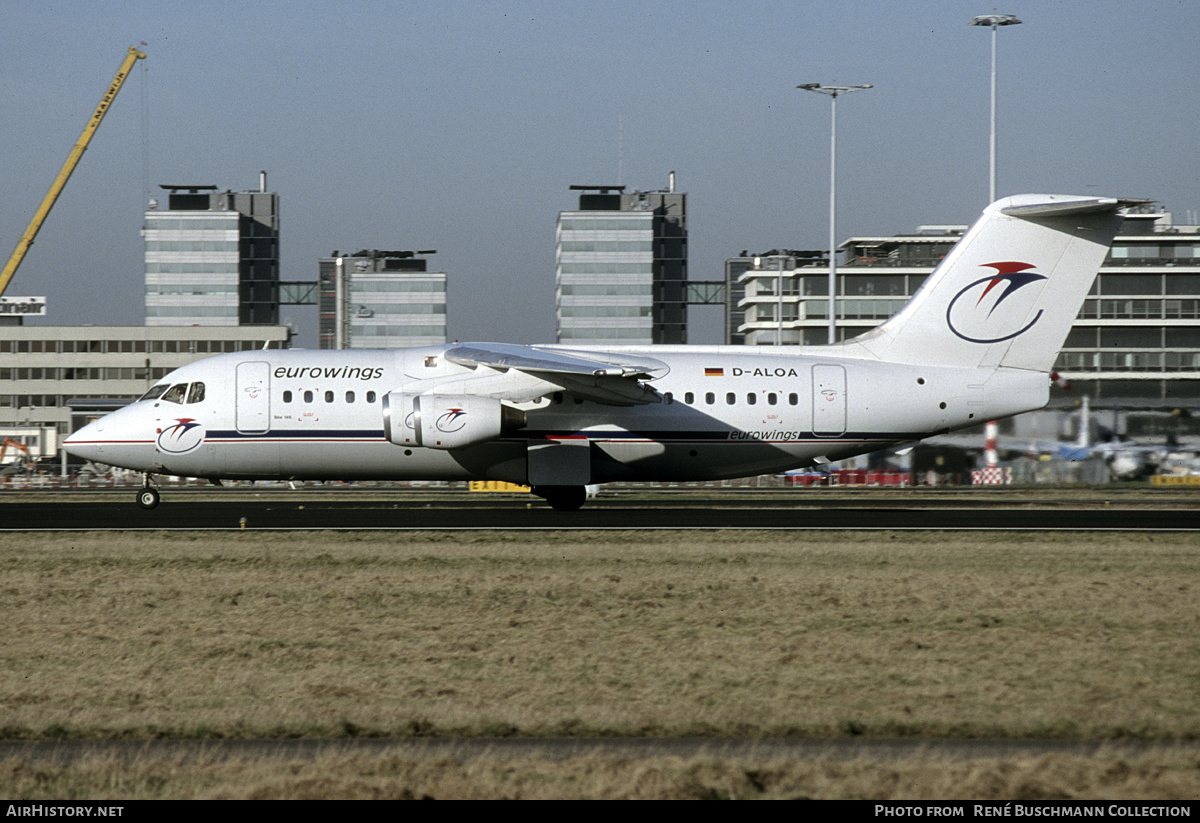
(832, 92)
(995, 21)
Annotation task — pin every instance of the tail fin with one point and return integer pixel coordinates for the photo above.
(1008, 292)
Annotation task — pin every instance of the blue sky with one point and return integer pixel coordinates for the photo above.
(460, 125)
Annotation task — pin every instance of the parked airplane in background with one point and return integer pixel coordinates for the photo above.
(976, 342)
(1130, 460)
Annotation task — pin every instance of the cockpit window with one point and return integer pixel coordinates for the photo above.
(196, 393)
(154, 393)
(176, 393)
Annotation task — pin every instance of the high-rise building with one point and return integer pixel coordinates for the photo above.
(212, 258)
(388, 300)
(621, 267)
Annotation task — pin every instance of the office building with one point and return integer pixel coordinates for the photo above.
(388, 299)
(212, 257)
(621, 267)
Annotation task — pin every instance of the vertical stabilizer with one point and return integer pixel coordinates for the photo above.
(1008, 292)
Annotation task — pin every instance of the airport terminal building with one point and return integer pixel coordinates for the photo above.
(53, 379)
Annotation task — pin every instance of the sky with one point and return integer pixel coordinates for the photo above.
(459, 126)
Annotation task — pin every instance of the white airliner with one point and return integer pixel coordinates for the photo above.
(975, 343)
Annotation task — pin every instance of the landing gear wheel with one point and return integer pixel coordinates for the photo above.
(564, 498)
(147, 498)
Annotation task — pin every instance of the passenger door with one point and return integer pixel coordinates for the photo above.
(253, 412)
(829, 401)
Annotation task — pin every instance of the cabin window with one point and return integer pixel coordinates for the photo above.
(308, 397)
(689, 398)
(370, 397)
(710, 398)
(751, 398)
(772, 398)
(730, 399)
(287, 397)
(668, 398)
(793, 399)
(196, 393)
(176, 393)
(349, 397)
(328, 397)
(558, 397)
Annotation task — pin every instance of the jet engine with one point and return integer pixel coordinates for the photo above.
(446, 421)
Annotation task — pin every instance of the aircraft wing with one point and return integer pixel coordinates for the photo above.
(533, 358)
(610, 378)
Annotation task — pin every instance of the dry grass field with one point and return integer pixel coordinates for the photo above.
(603, 633)
(1165, 776)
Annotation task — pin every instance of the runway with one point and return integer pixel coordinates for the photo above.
(347, 510)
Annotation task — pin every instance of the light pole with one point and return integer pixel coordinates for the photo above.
(339, 299)
(833, 92)
(995, 21)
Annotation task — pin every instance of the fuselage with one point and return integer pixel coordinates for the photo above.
(721, 412)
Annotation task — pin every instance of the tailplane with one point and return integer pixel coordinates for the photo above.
(1008, 292)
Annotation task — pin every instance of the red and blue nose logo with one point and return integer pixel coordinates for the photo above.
(182, 437)
(996, 307)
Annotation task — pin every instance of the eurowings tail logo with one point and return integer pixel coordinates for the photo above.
(184, 436)
(996, 308)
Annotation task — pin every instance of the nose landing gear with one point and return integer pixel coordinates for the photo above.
(147, 496)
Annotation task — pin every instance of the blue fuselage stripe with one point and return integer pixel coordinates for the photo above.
(723, 435)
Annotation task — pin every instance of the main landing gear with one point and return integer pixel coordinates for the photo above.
(147, 496)
(562, 498)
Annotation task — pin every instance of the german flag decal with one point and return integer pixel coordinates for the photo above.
(714, 372)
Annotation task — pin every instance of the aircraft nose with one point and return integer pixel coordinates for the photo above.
(88, 442)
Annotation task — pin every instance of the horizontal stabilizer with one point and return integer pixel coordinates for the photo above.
(1058, 205)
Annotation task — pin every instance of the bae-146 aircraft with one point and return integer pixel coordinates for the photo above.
(976, 342)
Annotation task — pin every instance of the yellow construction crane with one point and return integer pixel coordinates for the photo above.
(35, 224)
